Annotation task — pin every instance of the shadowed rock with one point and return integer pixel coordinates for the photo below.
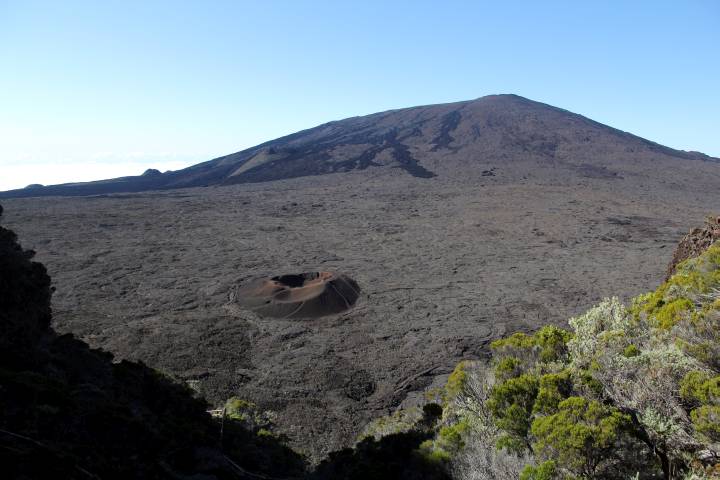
(103, 418)
(695, 243)
(305, 295)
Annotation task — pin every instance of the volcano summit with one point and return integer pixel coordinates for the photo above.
(492, 131)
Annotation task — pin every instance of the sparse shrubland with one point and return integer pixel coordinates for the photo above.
(628, 392)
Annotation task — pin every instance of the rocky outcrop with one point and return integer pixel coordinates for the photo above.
(695, 243)
(24, 301)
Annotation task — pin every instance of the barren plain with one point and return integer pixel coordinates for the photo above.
(461, 223)
(446, 265)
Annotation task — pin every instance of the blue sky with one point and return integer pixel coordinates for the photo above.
(97, 89)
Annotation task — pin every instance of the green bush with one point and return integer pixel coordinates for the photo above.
(631, 351)
(694, 387)
(629, 389)
(545, 471)
(706, 420)
(669, 314)
(508, 367)
(553, 343)
(580, 436)
(400, 421)
(455, 382)
(511, 403)
(554, 388)
(450, 437)
(549, 344)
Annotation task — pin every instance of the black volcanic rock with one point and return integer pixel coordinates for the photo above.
(24, 301)
(694, 244)
(424, 141)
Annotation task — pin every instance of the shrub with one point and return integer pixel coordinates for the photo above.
(553, 343)
(455, 382)
(628, 390)
(448, 442)
(247, 414)
(580, 436)
(549, 344)
(508, 367)
(450, 438)
(592, 328)
(669, 314)
(400, 421)
(694, 387)
(706, 420)
(554, 388)
(631, 351)
(545, 471)
(511, 403)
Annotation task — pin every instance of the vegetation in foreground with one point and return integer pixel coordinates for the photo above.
(629, 392)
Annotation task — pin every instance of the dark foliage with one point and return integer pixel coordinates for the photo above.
(392, 457)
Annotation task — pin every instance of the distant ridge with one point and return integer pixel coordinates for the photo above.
(425, 141)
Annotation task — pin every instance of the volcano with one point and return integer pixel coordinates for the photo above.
(443, 228)
(425, 142)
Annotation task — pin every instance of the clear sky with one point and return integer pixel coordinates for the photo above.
(101, 88)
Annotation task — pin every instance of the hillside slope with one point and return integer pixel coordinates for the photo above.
(426, 141)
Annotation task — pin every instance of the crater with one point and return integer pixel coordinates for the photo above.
(301, 295)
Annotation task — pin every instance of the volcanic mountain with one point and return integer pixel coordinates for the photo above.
(458, 224)
(438, 140)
